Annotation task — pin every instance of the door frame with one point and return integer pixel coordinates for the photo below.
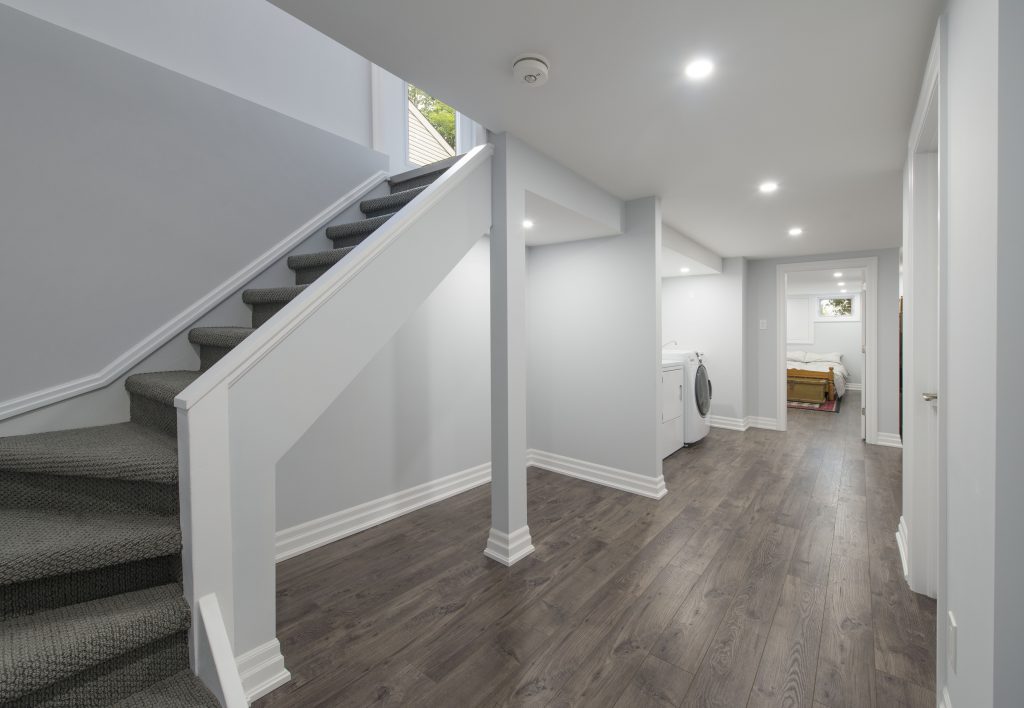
(870, 310)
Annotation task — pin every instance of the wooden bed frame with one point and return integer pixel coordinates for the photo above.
(810, 386)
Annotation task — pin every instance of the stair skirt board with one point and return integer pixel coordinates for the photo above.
(653, 487)
(177, 324)
(334, 527)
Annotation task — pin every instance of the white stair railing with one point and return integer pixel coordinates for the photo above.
(239, 418)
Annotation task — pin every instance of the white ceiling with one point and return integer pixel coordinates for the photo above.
(824, 282)
(818, 95)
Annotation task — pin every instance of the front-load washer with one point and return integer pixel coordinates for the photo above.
(697, 405)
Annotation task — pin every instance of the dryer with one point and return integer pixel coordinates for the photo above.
(697, 404)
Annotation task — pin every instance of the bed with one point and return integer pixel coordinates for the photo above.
(815, 378)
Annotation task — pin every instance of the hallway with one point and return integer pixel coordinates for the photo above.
(769, 575)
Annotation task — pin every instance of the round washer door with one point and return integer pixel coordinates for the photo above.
(702, 391)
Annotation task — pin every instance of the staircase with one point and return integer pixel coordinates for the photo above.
(92, 611)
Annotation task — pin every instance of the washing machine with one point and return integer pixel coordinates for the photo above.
(696, 405)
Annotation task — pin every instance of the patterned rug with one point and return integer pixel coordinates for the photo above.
(827, 406)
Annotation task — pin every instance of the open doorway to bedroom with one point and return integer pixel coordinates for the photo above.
(826, 340)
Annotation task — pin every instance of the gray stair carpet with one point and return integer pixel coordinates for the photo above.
(92, 611)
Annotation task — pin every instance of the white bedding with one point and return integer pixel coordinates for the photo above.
(841, 374)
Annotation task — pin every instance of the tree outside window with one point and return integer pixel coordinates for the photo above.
(438, 113)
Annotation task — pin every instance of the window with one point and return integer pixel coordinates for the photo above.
(837, 308)
(431, 128)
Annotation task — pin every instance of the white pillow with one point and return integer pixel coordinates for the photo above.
(835, 357)
(795, 356)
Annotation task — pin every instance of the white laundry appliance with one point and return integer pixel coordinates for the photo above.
(696, 398)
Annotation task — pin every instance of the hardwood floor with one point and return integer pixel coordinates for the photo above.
(768, 576)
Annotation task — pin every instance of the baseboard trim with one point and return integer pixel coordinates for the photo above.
(854, 387)
(262, 670)
(763, 423)
(509, 548)
(304, 537)
(167, 331)
(653, 487)
(903, 546)
(739, 424)
(944, 699)
(889, 440)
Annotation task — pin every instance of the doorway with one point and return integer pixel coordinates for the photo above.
(867, 303)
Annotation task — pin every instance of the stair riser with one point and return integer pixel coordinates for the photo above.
(208, 355)
(73, 588)
(145, 411)
(350, 241)
(306, 276)
(383, 212)
(20, 490)
(116, 679)
(264, 311)
(420, 181)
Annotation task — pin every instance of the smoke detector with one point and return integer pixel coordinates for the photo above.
(531, 69)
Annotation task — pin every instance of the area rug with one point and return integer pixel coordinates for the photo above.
(827, 406)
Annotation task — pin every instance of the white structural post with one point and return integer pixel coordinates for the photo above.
(509, 540)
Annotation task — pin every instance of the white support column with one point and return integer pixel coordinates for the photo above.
(509, 540)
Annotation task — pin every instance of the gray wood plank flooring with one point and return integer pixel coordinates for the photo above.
(769, 576)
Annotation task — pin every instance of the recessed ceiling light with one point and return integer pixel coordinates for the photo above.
(768, 187)
(840, 284)
(684, 270)
(842, 291)
(796, 231)
(699, 69)
(527, 224)
(837, 274)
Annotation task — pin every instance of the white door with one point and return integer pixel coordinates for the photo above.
(864, 387)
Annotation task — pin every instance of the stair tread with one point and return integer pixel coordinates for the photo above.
(391, 201)
(40, 649)
(219, 336)
(264, 296)
(182, 690)
(424, 170)
(357, 228)
(319, 259)
(125, 451)
(43, 543)
(160, 386)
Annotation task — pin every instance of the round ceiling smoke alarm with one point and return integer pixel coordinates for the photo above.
(531, 69)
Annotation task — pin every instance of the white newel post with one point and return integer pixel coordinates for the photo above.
(509, 539)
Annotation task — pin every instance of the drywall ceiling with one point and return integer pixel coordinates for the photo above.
(554, 223)
(824, 282)
(818, 95)
(673, 263)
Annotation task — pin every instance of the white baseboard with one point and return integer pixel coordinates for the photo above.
(262, 670)
(763, 423)
(167, 331)
(854, 386)
(944, 700)
(653, 487)
(902, 545)
(304, 537)
(509, 548)
(889, 440)
(721, 421)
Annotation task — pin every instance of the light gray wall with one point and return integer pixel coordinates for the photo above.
(593, 333)
(705, 313)
(248, 48)
(761, 384)
(129, 192)
(419, 411)
(983, 578)
(842, 337)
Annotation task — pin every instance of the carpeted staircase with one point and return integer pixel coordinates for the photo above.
(91, 605)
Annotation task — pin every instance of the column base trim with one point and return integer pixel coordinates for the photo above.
(509, 548)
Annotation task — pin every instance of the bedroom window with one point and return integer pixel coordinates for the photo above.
(835, 307)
